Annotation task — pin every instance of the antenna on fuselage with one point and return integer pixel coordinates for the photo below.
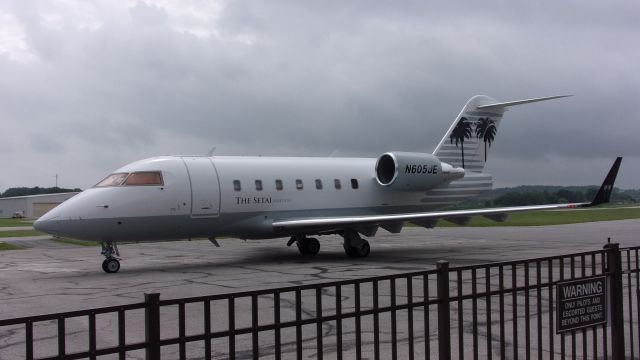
(210, 153)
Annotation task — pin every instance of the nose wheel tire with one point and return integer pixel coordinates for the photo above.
(111, 266)
(308, 246)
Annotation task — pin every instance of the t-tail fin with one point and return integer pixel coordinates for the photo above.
(467, 142)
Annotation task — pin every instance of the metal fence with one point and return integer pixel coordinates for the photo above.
(498, 310)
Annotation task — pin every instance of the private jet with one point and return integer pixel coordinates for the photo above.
(178, 197)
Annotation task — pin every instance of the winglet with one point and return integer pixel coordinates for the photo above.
(606, 188)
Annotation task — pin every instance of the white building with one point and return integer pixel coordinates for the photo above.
(32, 206)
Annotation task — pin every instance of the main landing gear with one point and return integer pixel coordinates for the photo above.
(307, 246)
(354, 245)
(110, 251)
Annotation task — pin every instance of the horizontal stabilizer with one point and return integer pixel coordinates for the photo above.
(518, 102)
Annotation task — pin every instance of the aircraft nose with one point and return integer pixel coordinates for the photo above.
(46, 224)
(39, 225)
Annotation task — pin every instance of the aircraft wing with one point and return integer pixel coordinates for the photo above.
(334, 223)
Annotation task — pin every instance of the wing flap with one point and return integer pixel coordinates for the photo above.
(351, 221)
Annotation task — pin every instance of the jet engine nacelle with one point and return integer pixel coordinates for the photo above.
(406, 171)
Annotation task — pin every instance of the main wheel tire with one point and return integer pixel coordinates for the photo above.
(308, 246)
(351, 252)
(364, 249)
(111, 266)
(312, 246)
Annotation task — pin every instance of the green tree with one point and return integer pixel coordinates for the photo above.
(486, 130)
(24, 191)
(460, 132)
(571, 196)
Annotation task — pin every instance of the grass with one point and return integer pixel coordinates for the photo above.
(5, 246)
(20, 233)
(15, 222)
(541, 218)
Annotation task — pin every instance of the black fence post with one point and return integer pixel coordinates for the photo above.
(614, 264)
(152, 326)
(444, 321)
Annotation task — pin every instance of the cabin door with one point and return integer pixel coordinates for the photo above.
(205, 187)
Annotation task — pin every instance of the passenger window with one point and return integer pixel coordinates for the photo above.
(354, 183)
(337, 184)
(298, 184)
(144, 178)
(259, 185)
(236, 185)
(318, 184)
(278, 184)
(112, 180)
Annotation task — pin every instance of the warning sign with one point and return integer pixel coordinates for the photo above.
(581, 303)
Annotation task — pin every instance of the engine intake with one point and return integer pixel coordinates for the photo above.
(414, 171)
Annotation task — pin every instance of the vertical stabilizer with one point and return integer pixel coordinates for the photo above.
(472, 132)
(469, 139)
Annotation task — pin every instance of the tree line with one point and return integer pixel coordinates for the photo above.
(24, 191)
(516, 198)
(538, 195)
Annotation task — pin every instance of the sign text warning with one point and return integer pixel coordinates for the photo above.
(581, 303)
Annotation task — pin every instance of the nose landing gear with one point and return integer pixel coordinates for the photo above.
(111, 263)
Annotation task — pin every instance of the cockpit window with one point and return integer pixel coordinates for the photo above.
(113, 180)
(144, 178)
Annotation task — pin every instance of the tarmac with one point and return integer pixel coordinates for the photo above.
(50, 276)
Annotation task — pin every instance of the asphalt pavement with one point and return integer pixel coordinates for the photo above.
(51, 276)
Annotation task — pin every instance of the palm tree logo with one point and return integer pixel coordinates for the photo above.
(486, 129)
(460, 132)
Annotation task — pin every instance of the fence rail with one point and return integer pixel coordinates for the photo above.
(501, 310)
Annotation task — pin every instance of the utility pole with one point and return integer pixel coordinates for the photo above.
(56, 180)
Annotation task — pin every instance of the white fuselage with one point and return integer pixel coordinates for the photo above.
(241, 197)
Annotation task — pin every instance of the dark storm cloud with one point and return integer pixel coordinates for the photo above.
(112, 83)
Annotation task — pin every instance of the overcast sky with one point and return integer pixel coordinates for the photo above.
(88, 86)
